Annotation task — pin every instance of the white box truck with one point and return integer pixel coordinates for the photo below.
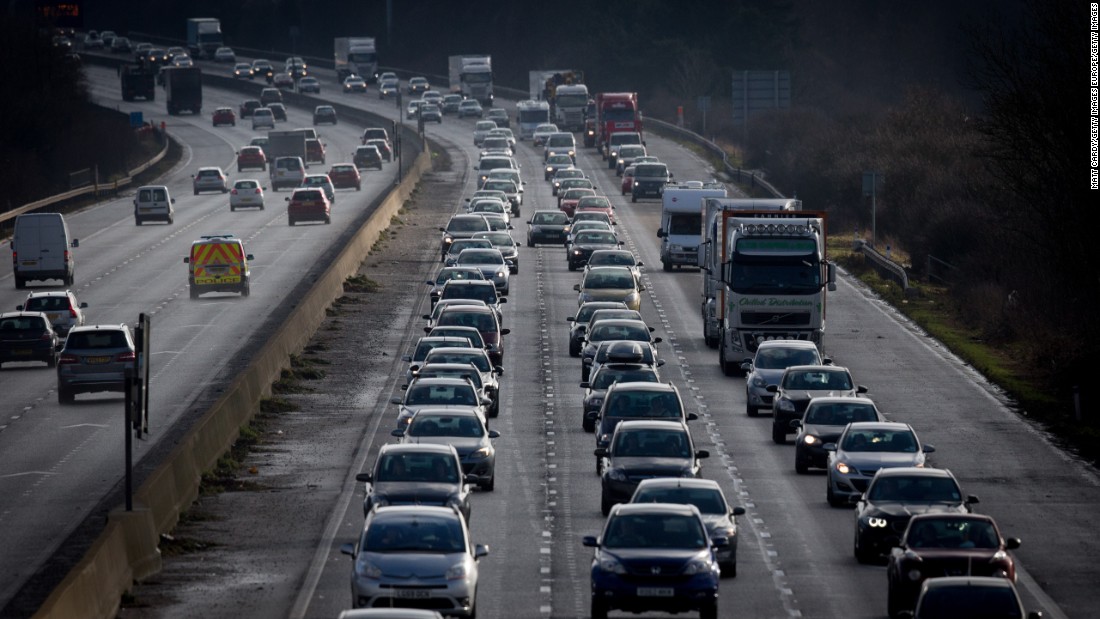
(355, 55)
(472, 77)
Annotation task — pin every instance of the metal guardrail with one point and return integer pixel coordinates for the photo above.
(883, 266)
(94, 188)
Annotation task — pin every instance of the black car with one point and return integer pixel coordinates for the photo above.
(610, 330)
(636, 401)
(801, 383)
(580, 323)
(896, 495)
(324, 114)
(645, 449)
(547, 226)
(587, 241)
(367, 157)
(649, 180)
(27, 336)
(609, 374)
(822, 424)
(416, 475)
(966, 597)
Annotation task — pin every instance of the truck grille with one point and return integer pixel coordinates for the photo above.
(787, 319)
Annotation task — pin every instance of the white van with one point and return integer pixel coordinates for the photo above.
(153, 203)
(40, 249)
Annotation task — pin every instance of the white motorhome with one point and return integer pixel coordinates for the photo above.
(531, 114)
(682, 221)
(40, 249)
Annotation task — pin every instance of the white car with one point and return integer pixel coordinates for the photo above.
(387, 88)
(263, 117)
(482, 129)
(246, 193)
(542, 132)
(354, 83)
(225, 54)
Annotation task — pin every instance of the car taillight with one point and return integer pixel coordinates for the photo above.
(45, 336)
(72, 312)
(68, 360)
(66, 256)
(124, 356)
(257, 190)
(234, 192)
(14, 257)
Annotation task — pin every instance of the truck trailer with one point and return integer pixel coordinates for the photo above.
(204, 36)
(138, 80)
(182, 89)
(355, 56)
(472, 77)
(682, 221)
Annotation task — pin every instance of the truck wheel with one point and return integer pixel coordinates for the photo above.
(194, 292)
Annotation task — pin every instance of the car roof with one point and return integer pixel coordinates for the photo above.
(78, 329)
(786, 344)
(49, 293)
(817, 368)
(639, 386)
(449, 411)
(912, 471)
(679, 482)
(470, 308)
(970, 581)
(624, 322)
(415, 448)
(404, 512)
(836, 399)
(682, 509)
(873, 425)
(651, 424)
(441, 380)
(952, 516)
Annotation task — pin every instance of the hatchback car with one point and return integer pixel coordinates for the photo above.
(388, 88)
(772, 358)
(416, 474)
(967, 597)
(345, 176)
(801, 383)
(224, 116)
(474, 290)
(383, 147)
(654, 557)
(894, 496)
(645, 449)
(650, 180)
(322, 181)
(283, 81)
(315, 151)
(94, 359)
(450, 103)
(367, 156)
(417, 85)
(481, 131)
(210, 179)
(627, 155)
(60, 307)
(242, 70)
(445, 275)
(607, 375)
(425, 345)
(412, 110)
(246, 193)
(28, 336)
(460, 227)
(450, 259)
(430, 112)
(546, 226)
(427, 545)
(478, 357)
(309, 84)
(252, 158)
(609, 283)
(470, 107)
(492, 265)
(707, 496)
(543, 131)
(484, 319)
(587, 241)
(354, 83)
(452, 393)
(324, 114)
(643, 401)
(862, 450)
(579, 323)
(507, 246)
(278, 110)
(945, 545)
(554, 163)
(248, 106)
(308, 205)
(822, 423)
(271, 95)
(563, 175)
(499, 116)
(465, 430)
(263, 117)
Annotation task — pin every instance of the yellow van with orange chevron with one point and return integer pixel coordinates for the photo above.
(218, 263)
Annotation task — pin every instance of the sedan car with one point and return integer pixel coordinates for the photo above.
(627, 184)
(707, 496)
(425, 544)
(278, 110)
(554, 163)
(801, 383)
(470, 107)
(499, 116)
(862, 450)
(246, 193)
(439, 394)
(309, 84)
(484, 319)
(248, 106)
(224, 116)
(354, 83)
(546, 226)
(649, 180)
(643, 450)
(383, 147)
(209, 179)
(568, 199)
(627, 154)
(94, 359)
(476, 356)
(460, 227)
(430, 113)
(225, 54)
(967, 597)
(242, 70)
(474, 290)
(598, 204)
(367, 156)
(609, 284)
(345, 176)
(937, 545)
(772, 358)
(561, 175)
(324, 114)
(481, 130)
(28, 336)
(445, 275)
(587, 241)
(387, 88)
(417, 474)
(896, 495)
(465, 430)
(616, 258)
(636, 401)
(507, 246)
(607, 375)
(579, 323)
(543, 131)
(60, 307)
(492, 265)
(822, 423)
(655, 557)
(417, 85)
(425, 345)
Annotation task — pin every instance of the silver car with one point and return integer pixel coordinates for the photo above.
(482, 129)
(425, 345)
(479, 358)
(416, 475)
(466, 431)
(415, 555)
(507, 246)
(94, 359)
(440, 393)
(771, 360)
(492, 265)
(210, 179)
(862, 449)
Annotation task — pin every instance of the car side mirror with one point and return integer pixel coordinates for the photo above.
(173, 200)
(395, 400)
(76, 243)
(660, 233)
(18, 308)
(928, 448)
(972, 499)
(481, 550)
(577, 287)
(589, 541)
(829, 446)
(746, 367)
(186, 260)
(397, 432)
(499, 370)
(249, 257)
(772, 388)
(348, 549)
(1012, 543)
(737, 511)
(494, 434)
(426, 316)
(701, 454)
(796, 423)
(505, 331)
(827, 361)
(502, 300)
(861, 389)
(657, 340)
(692, 416)
(286, 199)
(584, 385)
(364, 477)
(660, 363)
(600, 452)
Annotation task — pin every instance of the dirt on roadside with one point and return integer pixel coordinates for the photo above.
(243, 548)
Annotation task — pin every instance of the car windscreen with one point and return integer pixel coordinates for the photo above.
(654, 531)
(916, 489)
(422, 467)
(892, 441)
(478, 256)
(779, 358)
(818, 380)
(479, 361)
(840, 414)
(420, 534)
(607, 377)
(423, 348)
(556, 218)
(487, 293)
(644, 405)
(446, 425)
(595, 237)
(617, 280)
(467, 224)
(708, 500)
(484, 322)
(420, 394)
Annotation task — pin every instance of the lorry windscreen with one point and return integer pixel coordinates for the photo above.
(775, 274)
(618, 115)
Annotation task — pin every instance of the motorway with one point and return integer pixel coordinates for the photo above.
(795, 553)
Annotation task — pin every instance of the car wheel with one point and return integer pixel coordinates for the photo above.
(64, 396)
(800, 466)
(862, 556)
(291, 221)
(709, 610)
(588, 425)
(358, 187)
(52, 361)
(137, 221)
(232, 208)
(328, 219)
(729, 570)
(666, 266)
(196, 192)
(750, 410)
(779, 435)
(893, 606)
(831, 496)
(605, 504)
(239, 170)
(247, 290)
(194, 292)
(170, 220)
(20, 283)
(572, 267)
(489, 485)
(633, 198)
(530, 243)
(599, 609)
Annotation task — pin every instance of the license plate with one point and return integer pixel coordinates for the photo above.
(23, 352)
(97, 360)
(29, 263)
(414, 594)
(53, 317)
(655, 592)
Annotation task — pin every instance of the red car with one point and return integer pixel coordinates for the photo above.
(942, 544)
(251, 157)
(345, 175)
(599, 204)
(628, 180)
(225, 116)
(308, 204)
(567, 201)
(315, 151)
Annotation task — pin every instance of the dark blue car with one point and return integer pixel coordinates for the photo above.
(655, 557)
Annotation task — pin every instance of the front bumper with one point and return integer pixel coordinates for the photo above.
(449, 598)
(635, 593)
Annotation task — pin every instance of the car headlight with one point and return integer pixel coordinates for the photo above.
(370, 570)
(616, 475)
(620, 162)
(577, 252)
(675, 247)
(696, 566)
(810, 439)
(457, 572)
(614, 155)
(786, 406)
(913, 575)
(843, 468)
(876, 523)
(448, 239)
(758, 381)
(603, 439)
(499, 274)
(610, 564)
(549, 170)
(482, 453)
